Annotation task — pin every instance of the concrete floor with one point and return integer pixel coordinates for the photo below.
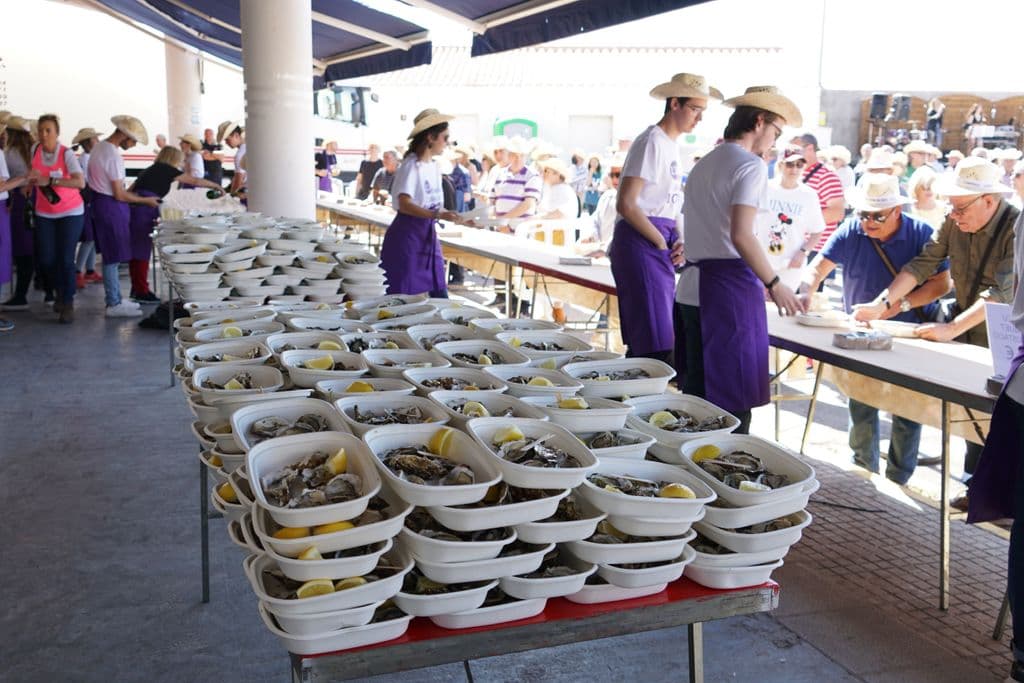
(101, 551)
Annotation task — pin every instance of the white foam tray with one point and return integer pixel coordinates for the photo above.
(435, 550)
(374, 403)
(615, 503)
(602, 414)
(494, 403)
(649, 576)
(660, 374)
(668, 443)
(511, 514)
(629, 553)
(334, 389)
(735, 517)
(755, 543)
(289, 409)
(483, 570)
(724, 578)
(561, 384)
(332, 641)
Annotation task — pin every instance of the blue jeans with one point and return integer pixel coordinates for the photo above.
(1015, 569)
(903, 445)
(86, 257)
(56, 240)
(111, 284)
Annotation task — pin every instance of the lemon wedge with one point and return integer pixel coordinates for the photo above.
(549, 364)
(227, 492)
(506, 434)
(540, 382)
(227, 357)
(348, 305)
(225, 321)
(516, 342)
(332, 527)
(327, 307)
(351, 582)
(602, 378)
(441, 441)
(484, 359)
(706, 452)
(230, 332)
(475, 409)
(384, 314)
(662, 419)
(323, 259)
(338, 463)
(360, 385)
(573, 403)
(471, 387)
(315, 587)
(311, 553)
(328, 345)
(216, 461)
(676, 490)
(390, 345)
(291, 532)
(320, 363)
(754, 486)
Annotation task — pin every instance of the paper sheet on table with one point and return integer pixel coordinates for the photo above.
(1003, 337)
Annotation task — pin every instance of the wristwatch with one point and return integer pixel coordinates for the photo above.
(905, 305)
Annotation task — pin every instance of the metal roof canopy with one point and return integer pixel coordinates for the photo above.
(351, 40)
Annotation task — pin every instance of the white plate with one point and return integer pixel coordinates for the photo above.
(240, 250)
(334, 569)
(334, 389)
(483, 570)
(495, 614)
(422, 334)
(403, 359)
(560, 532)
(210, 318)
(435, 550)
(494, 403)
(667, 446)
(311, 624)
(561, 384)
(660, 374)
(735, 517)
(258, 330)
(307, 377)
(302, 340)
(523, 588)
(649, 576)
(635, 450)
(511, 514)
(724, 578)
(756, 543)
(443, 603)
(654, 526)
(476, 347)
(270, 456)
(823, 319)
(479, 378)
(483, 430)
(385, 301)
(266, 379)
(777, 460)
(462, 450)
(594, 594)
(405, 322)
(277, 257)
(342, 639)
(601, 414)
(291, 409)
(896, 328)
(377, 403)
(248, 276)
(297, 246)
(629, 553)
(621, 504)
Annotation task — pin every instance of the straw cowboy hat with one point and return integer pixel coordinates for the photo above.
(4, 115)
(192, 141)
(18, 123)
(132, 127)
(1003, 154)
(84, 134)
(769, 98)
(839, 152)
(616, 160)
(227, 127)
(544, 150)
(877, 192)
(686, 85)
(918, 146)
(428, 118)
(556, 165)
(518, 145)
(972, 176)
(955, 154)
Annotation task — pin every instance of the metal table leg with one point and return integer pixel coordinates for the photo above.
(695, 639)
(607, 323)
(814, 404)
(508, 290)
(1004, 610)
(170, 328)
(777, 392)
(204, 529)
(944, 511)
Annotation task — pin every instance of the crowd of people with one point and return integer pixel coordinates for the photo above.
(62, 205)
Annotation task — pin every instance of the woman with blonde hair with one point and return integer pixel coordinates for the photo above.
(925, 206)
(155, 181)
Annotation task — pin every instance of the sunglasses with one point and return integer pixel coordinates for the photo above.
(614, 174)
(874, 216)
(791, 164)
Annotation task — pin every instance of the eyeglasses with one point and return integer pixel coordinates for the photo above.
(875, 216)
(614, 174)
(695, 109)
(798, 164)
(961, 210)
(778, 131)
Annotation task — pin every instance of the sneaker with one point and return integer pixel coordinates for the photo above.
(93, 276)
(147, 298)
(15, 303)
(67, 314)
(6, 325)
(125, 309)
(79, 281)
(48, 299)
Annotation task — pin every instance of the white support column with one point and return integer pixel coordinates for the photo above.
(277, 51)
(184, 98)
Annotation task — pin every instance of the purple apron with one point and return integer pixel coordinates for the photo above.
(734, 334)
(993, 487)
(140, 225)
(110, 220)
(411, 257)
(645, 283)
(5, 244)
(325, 181)
(88, 234)
(22, 241)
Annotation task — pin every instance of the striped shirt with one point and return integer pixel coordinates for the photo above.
(828, 186)
(513, 188)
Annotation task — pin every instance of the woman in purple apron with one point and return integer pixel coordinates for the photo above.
(721, 326)
(646, 248)
(325, 162)
(18, 158)
(411, 253)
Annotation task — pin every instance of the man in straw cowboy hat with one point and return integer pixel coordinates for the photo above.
(192, 148)
(721, 329)
(110, 210)
(646, 247)
(871, 245)
(232, 134)
(558, 199)
(86, 138)
(977, 238)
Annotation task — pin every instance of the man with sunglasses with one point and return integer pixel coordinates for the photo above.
(877, 240)
(977, 238)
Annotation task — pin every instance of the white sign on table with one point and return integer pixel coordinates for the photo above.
(1003, 337)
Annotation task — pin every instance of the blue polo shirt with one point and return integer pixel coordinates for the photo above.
(864, 273)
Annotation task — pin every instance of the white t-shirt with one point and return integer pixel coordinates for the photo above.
(194, 165)
(560, 197)
(5, 175)
(654, 156)
(421, 180)
(725, 177)
(105, 166)
(239, 163)
(791, 216)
